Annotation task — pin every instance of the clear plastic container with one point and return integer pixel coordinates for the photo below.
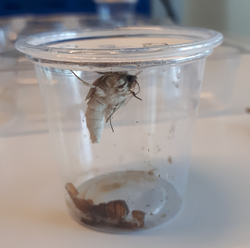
(28, 110)
(121, 106)
(8, 92)
(219, 79)
(21, 106)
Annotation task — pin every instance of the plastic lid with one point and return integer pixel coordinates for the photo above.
(121, 47)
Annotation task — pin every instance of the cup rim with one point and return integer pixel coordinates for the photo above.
(38, 47)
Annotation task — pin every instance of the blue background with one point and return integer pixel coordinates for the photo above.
(14, 7)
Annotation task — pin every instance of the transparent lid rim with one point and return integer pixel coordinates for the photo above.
(203, 40)
(139, 64)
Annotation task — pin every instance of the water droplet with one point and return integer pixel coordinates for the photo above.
(178, 74)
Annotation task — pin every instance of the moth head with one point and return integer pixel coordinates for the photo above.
(126, 82)
(131, 81)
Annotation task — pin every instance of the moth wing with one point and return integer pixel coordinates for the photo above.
(91, 92)
(127, 99)
(109, 112)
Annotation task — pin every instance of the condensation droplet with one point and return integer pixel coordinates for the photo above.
(176, 75)
(172, 131)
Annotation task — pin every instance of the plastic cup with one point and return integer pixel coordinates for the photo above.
(21, 106)
(8, 93)
(121, 106)
(219, 80)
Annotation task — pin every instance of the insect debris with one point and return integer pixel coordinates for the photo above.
(112, 213)
(108, 93)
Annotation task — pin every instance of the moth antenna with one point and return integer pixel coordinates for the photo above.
(138, 87)
(133, 93)
(139, 72)
(85, 83)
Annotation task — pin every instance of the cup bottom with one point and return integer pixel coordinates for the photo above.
(123, 201)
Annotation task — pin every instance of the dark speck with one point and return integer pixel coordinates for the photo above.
(151, 172)
(170, 159)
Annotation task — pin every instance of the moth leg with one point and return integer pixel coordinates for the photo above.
(113, 110)
(94, 87)
(110, 118)
(109, 114)
(111, 125)
(85, 83)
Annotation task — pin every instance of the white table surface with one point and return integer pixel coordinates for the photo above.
(216, 210)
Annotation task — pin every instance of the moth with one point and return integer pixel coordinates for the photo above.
(107, 94)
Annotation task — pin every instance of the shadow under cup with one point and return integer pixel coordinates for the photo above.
(121, 107)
